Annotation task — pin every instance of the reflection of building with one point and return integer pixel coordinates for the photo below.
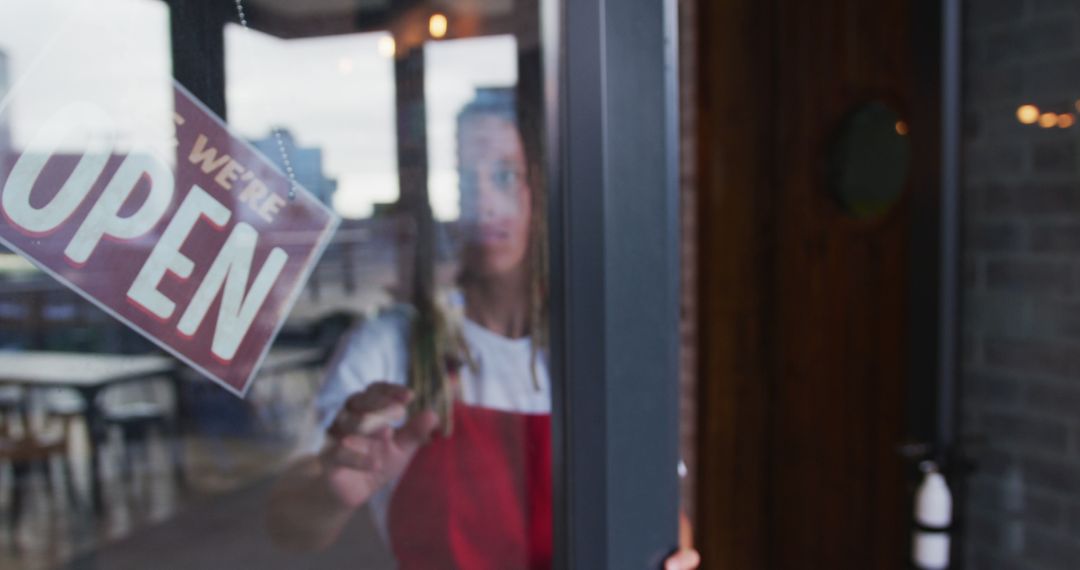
(306, 163)
(5, 123)
(489, 100)
(497, 101)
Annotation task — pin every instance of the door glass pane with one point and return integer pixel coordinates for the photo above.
(273, 285)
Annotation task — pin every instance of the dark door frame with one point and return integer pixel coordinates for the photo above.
(615, 282)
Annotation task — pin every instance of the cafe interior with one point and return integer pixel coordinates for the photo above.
(844, 232)
(115, 451)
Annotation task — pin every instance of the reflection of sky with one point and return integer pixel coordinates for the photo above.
(345, 104)
(336, 93)
(110, 52)
(453, 70)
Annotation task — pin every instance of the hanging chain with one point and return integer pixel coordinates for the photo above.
(276, 131)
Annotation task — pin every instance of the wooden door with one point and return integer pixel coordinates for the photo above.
(803, 308)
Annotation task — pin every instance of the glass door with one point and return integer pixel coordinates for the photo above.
(378, 284)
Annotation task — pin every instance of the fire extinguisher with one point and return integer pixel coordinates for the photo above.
(933, 519)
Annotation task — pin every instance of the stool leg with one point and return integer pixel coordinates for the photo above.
(18, 489)
(44, 468)
(141, 451)
(69, 482)
(128, 460)
(11, 488)
(176, 446)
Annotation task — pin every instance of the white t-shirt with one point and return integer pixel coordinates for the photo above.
(377, 352)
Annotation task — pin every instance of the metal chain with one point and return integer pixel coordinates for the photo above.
(293, 184)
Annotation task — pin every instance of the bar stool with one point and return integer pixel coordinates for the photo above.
(138, 416)
(28, 450)
(136, 421)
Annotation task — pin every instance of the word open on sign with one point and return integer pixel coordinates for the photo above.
(204, 256)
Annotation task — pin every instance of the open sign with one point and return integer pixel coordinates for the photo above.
(203, 253)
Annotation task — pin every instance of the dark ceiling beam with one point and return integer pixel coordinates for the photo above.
(197, 39)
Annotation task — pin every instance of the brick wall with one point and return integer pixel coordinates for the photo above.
(1021, 323)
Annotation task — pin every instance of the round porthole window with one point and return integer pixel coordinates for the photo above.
(868, 160)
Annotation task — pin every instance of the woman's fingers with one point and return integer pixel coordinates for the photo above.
(359, 444)
(686, 532)
(377, 396)
(348, 423)
(416, 431)
(357, 456)
(362, 433)
(380, 405)
(686, 559)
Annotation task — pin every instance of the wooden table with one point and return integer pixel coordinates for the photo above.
(87, 374)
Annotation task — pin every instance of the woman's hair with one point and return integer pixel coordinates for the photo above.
(437, 347)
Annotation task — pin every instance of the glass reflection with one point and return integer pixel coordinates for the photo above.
(434, 284)
(437, 413)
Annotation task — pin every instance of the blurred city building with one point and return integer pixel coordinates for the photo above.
(306, 163)
(5, 118)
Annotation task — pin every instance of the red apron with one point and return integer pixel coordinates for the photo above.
(479, 499)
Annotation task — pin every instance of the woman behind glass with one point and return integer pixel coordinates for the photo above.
(438, 415)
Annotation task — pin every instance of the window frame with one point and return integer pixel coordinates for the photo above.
(613, 139)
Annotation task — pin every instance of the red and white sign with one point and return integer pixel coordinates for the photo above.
(204, 253)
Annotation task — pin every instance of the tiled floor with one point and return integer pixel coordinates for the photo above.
(53, 531)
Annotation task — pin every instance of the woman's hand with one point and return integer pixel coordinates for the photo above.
(686, 558)
(315, 497)
(363, 451)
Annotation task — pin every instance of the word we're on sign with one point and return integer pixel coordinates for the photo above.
(201, 250)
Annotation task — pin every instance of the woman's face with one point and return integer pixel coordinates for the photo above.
(495, 197)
